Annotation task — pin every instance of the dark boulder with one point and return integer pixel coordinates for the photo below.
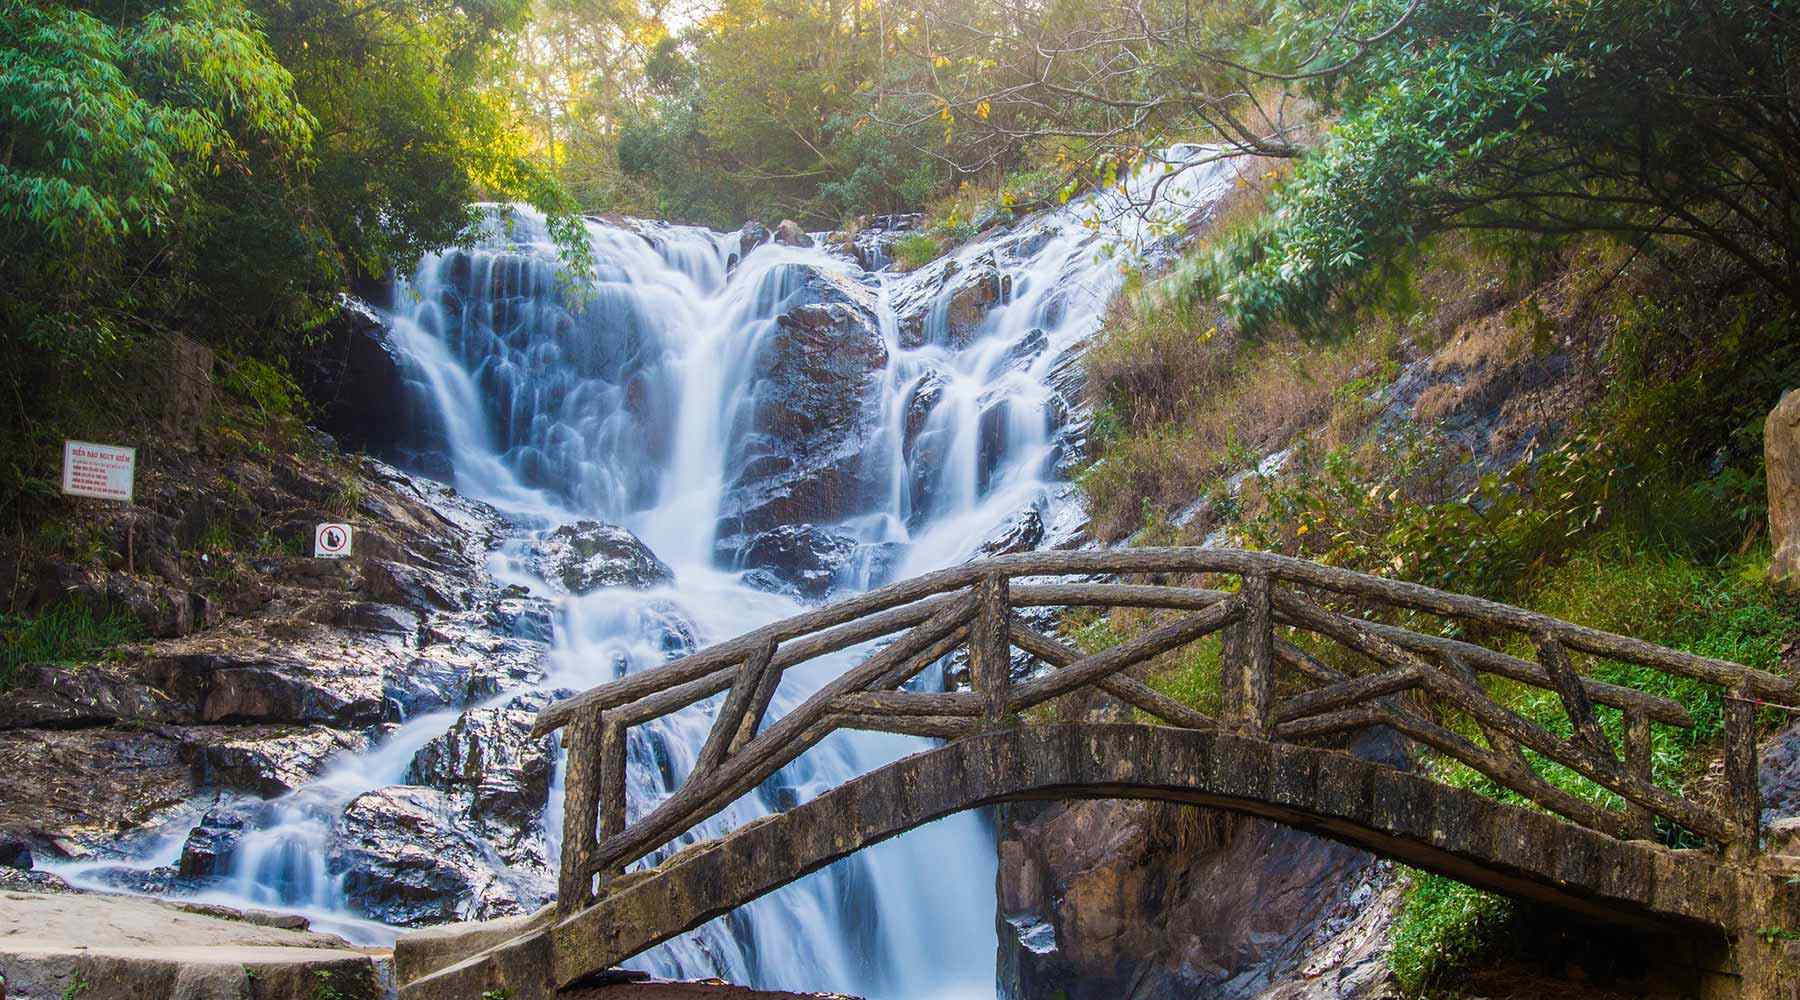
(15, 853)
(753, 235)
(789, 234)
(365, 393)
(212, 845)
(798, 452)
(1019, 533)
(804, 557)
(588, 555)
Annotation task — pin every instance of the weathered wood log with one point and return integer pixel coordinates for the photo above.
(737, 705)
(1743, 796)
(767, 682)
(1305, 664)
(1582, 721)
(770, 751)
(674, 699)
(1248, 683)
(990, 656)
(710, 670)
(1331, 723)
(1398, 593)
(1497, 741)
(613, 803)
(1664, 710)
(1638, 758)
(581, 814)
(1441, 684)
(965, 704)
(924, 658)
(1089, 669)
(1152, 560)
(1114, 595)
(1124, 687)
(1345, 693)
(929, 726)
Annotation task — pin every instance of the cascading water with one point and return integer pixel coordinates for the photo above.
(716, 395)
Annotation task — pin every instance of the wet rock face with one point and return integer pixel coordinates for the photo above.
(588, 556)
(489, 755)
(799, 449)
(1139, 900)
(1019, 533)
(211, 845)
(406, 857)
(789, 234)
(803, 558)
(319, 657)
(948, 301)
(367, 396)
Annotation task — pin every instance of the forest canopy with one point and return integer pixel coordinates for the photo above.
(228, 168)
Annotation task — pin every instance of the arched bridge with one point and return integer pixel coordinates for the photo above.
(1310, 656)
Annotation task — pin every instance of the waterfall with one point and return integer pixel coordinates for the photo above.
(715, 395)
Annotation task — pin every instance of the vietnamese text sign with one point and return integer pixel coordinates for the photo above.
(105, 471)
(331, 541)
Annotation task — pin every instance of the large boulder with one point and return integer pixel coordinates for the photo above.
(804, 557)
(1781, 456)
(798, 451)
(366, 394)
(406, 856)
(489, 754)
(588, 555)
(789, 234)
(946, 301)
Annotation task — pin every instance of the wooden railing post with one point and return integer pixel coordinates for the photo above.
(612, 786)
(581, 812)
(1639, 820)
(1248, 663)
(990, 649)
(1743, 796)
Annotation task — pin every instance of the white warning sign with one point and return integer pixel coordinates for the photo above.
(331, 541)
(104, 471)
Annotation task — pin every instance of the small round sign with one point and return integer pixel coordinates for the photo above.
(331, 541)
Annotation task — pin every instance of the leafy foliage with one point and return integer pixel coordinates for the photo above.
(1517, 116)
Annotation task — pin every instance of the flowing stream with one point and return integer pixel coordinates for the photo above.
(644, 399)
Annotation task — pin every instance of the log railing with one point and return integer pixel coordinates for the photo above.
(1270, 688)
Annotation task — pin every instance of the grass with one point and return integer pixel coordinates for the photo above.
(65, 632)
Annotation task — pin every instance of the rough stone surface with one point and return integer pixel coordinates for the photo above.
(803, 557)
(798, 455)
(101, 947)
(408, 856)
(316, 658)
(588, 555)
(789, 234)
(1781, 456)
(1309, 789)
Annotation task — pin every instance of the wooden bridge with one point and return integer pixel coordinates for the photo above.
(1310, 657)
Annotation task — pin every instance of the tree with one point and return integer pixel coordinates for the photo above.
(1643, 120)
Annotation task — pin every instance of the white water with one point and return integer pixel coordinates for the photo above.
(630, 407)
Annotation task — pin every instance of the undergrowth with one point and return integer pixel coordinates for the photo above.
(63, 632)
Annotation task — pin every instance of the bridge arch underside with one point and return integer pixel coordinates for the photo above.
(1407, 817)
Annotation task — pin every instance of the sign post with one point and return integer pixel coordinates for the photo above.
(104, 472)
(331, 541)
